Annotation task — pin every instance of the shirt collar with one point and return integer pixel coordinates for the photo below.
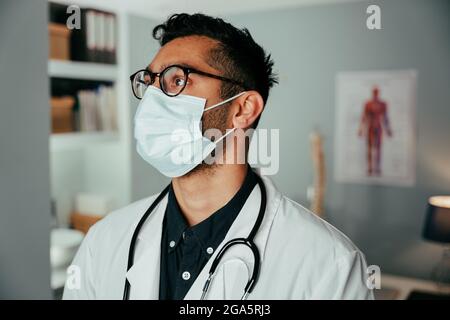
(175, 222)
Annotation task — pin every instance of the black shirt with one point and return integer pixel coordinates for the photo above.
(185, 250)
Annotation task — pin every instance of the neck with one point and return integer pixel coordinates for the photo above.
(203, 192)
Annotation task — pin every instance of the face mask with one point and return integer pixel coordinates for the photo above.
(168, 131)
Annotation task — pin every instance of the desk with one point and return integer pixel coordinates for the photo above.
(398, 288)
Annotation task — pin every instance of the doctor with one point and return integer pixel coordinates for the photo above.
(210, 75)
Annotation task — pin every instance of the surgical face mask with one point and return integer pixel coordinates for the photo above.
(168, 131)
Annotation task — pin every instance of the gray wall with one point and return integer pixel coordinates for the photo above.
(24, 131)
(309, 46)
(145, 180)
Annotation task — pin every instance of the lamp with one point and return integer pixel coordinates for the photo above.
(437, 223)
(437, 228)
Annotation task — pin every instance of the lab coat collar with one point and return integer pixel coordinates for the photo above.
(145, 273)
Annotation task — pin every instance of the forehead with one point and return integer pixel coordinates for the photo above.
(191, 51)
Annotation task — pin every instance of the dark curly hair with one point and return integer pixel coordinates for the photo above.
(237, 55)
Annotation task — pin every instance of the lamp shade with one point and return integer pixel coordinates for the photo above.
(437, 221)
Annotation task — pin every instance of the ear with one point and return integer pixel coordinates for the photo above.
(248, 108)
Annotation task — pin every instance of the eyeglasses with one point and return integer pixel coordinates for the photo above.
(172, 80)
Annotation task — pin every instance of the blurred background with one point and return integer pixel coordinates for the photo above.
(67, 153)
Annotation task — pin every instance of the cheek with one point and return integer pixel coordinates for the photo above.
(204, 88)
(216, 119)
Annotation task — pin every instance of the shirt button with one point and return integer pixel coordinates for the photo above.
(210, 250)
(186, 275)
(187, 235)
(172, 244)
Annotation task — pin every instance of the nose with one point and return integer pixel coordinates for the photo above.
(156, 82)
(156, 85)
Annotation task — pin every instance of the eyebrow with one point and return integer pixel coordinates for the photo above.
(164, 66)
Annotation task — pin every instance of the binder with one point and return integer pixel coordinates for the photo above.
(97, 109)
(84, 40)
(57, 13)
(110, 38)
(102, 109)
(106, 108)
(100, 33)
(96, 41)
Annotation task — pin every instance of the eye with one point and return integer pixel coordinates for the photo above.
(174, 79)
(179, 82)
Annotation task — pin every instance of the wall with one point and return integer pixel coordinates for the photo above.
(145, 179)
(309, 46)
(24, 160)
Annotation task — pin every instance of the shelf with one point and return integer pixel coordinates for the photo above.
(82, 70)
(76, 140)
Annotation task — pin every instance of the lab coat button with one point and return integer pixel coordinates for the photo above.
(186, 275)
(210, 250)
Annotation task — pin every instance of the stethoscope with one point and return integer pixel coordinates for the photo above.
(237, 241)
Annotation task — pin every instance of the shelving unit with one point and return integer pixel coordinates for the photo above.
(77, 140)
(82, 70)
(96, 162)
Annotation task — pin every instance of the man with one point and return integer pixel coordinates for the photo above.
(374, 118)
(212, 74)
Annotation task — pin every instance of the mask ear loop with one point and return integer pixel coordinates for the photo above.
(228, 132)
(224, 101)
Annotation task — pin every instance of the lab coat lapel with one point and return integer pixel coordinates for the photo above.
(236, 266)
(145, 272)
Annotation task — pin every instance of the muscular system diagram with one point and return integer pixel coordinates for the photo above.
(374, 121)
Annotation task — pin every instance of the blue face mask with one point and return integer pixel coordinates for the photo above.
(168, 131)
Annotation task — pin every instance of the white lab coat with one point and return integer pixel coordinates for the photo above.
(302, 256)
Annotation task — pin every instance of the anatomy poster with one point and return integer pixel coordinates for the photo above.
(375, 127)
